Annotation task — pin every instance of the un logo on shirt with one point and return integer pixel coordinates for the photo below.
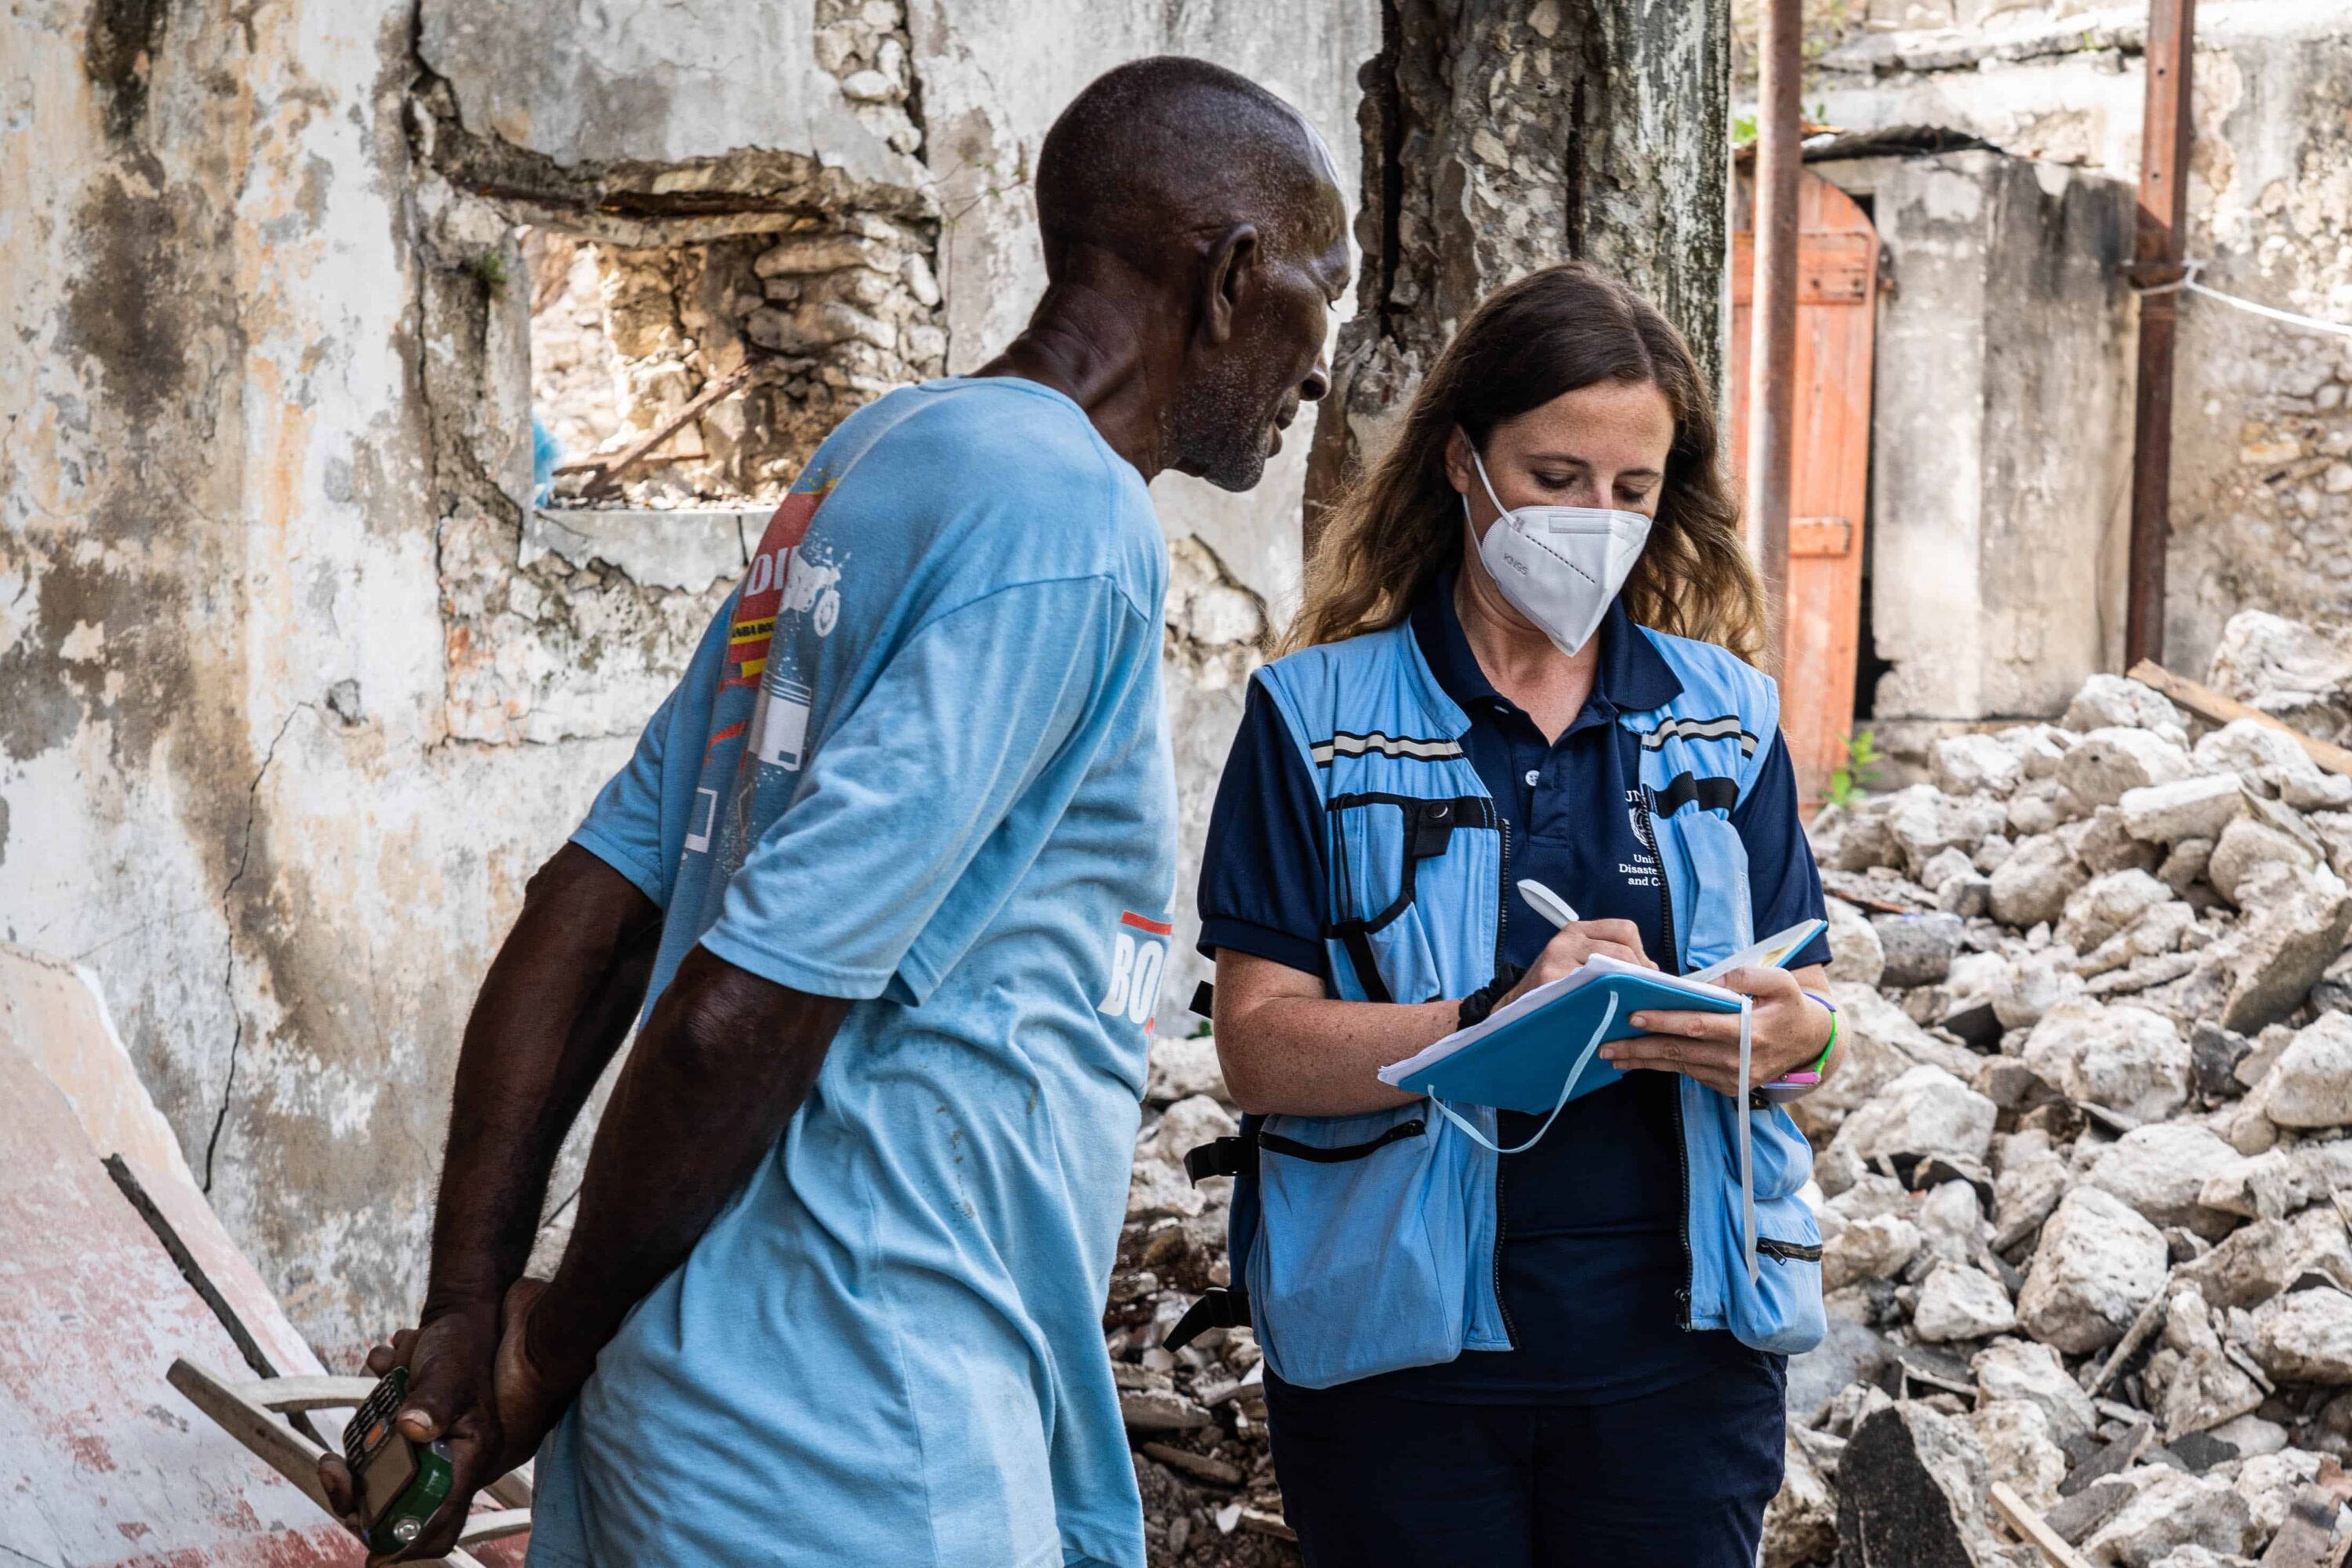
(1139, 956)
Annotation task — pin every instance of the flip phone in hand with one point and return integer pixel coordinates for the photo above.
(401, 1484)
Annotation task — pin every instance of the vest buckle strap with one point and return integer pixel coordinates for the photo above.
(1221, 1157)
(1218, 1308)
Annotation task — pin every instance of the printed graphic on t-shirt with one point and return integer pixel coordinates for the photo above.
(1139, 958)
(764, 582)
(1642, 871)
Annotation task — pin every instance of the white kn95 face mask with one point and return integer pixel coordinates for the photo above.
(1560, 566)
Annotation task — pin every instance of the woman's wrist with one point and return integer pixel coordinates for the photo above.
(1809, 1069)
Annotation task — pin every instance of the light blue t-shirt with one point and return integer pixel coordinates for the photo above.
(921, 760)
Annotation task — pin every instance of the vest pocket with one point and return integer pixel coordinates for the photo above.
(1361, 1260)
(1393, 858)
(1781, 1310)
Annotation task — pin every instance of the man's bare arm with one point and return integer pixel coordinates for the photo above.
(723, 1063)
(557, 1003)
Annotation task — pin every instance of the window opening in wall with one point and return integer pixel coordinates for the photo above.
(735, 355)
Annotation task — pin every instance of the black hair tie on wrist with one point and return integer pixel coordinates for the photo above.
(1481, 1002)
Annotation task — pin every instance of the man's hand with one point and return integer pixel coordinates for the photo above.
(1787, 1032)
(1575, 942)
(460, 1389)
(531, 1397)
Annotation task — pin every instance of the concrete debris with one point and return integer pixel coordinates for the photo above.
(2097, 1264)
(1912, 1486)
(2172, 1511)
(2305, 1336)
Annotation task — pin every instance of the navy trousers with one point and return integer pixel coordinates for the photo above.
(1676, 1479)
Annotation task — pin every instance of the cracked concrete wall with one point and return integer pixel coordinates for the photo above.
(2262, 487)
(227, 779)
(296, 688)
(2001, 436)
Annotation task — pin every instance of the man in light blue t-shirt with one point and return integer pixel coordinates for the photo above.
(892, 866)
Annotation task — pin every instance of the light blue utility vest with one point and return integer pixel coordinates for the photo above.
(1370, 1243)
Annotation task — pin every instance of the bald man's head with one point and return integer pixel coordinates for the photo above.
(1170, 145)
(1222, 197)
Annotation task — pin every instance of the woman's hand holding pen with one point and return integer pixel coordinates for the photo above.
(1572, 943)
(1787, 1032)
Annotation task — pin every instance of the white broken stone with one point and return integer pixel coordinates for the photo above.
(1873, 1248)
(2012, 1369)
(2160, 1170)
(2033, 985)
(1951, 1225)
(1189, 1123)
(2297, 927)
(2034, 884)
(2019, 1449)
(2304, 1336)
(2108, 905)
(2257, 1186)
(1958, 1302)
(2315, 791)
(2113, 759)
(2106, 701)
(1159, 1188)
(2246, 845)
(1926, 1111)
(2255, 753)
(2186, 808)
(2269, 1481)
(2277, 665)
(2125, 1059)
(2031, 1182)
(2311, 1083)
(2172, 1511)
(1975, 763)
(1182, 1068)
(1856, 955)
(1924, 822)
(2098, 1264)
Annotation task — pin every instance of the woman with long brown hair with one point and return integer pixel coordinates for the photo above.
(1522, 658)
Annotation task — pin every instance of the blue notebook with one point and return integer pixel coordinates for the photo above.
(1520, 1057)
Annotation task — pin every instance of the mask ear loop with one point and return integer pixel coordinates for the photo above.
(1608, 1016)
(1501, 512)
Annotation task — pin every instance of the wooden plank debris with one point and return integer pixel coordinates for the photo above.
(2029, 1526)
(2215, 708)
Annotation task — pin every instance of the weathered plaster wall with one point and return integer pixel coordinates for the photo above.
(2261, 494)
(294, 690)
(227, 779)
(2000, 433)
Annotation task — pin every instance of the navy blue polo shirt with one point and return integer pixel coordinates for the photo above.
(1593, 1250)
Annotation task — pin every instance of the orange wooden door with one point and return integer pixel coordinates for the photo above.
(1837, 275)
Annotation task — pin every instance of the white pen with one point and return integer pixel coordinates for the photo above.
(1547, 904)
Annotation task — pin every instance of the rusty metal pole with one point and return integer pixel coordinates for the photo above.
(1772, 344)
(2156, 262)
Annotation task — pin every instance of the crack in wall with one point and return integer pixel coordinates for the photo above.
(228, 920)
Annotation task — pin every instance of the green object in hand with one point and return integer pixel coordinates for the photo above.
(401, 1484)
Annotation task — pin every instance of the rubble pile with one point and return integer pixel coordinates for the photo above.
(2084, 1172)
(1195, 1416)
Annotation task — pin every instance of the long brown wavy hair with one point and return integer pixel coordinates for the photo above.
(1551, 333)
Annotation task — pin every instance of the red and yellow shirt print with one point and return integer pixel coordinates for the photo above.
(763, 584)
